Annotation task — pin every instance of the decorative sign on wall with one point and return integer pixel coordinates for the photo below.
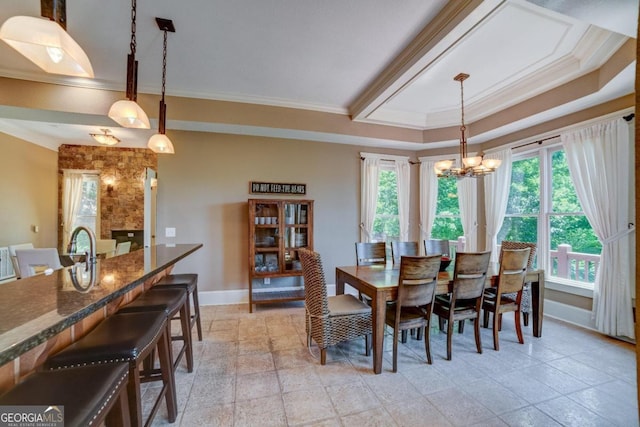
(277, 188)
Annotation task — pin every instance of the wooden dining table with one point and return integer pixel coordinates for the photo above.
(380, 283)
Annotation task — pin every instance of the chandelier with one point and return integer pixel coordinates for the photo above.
(105, 138)
(471, 167)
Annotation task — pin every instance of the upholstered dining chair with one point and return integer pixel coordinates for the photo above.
(330, 320)
(123, 248)
(371, 253)
(465, 300)
(525, 307)
(106, 247)
(508, 292)
(416, 291)
(437, 247)
(14, 258)
(36, 261)
(400, 249)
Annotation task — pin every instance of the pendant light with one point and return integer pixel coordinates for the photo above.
(45, 41)
(160, 143)
(472, 167)
(105, 138)
(127, 113)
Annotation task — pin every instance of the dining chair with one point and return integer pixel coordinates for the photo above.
(465, 300)
(36, 261)
(525, 308)
(416, 291)
(437, 247)
(14, 258)
(400, 249)
(331, 320)
(508, 293)
(371, 253)
(106, 247)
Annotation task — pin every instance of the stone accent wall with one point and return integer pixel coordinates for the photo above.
(123, 207)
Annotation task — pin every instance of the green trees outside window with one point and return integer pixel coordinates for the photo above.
(386, 226)
(447, 224)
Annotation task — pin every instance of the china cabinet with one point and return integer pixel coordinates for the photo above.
(277, 229)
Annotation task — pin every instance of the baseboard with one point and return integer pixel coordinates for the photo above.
(568, 313)
(240, 296)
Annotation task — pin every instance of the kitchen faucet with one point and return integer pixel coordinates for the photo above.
(91, 253)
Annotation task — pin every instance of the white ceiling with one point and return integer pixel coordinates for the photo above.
(378, 61)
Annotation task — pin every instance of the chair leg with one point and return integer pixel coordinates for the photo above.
(485, 318)
(496, 327)
(323, 356)
(427, 343)
(403, 337)
(518, 327)
(441, 323)
(196, 312)
(461, 326)
(395, 347)
(525, 317)
(367, 343)
(476, 329)
(450, 323)
(119, 414)
(185, 320)
(500, 322)
(419, 334)
(168, 379)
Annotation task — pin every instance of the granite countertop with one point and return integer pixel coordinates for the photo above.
(34, 309)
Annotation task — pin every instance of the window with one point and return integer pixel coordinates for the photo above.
(543, 207)
(88, 210)
(447, 224)
(386, 225)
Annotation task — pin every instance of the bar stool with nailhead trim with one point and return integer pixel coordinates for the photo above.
(188, 281)
(127, 337)
(171, 301)
(90, 395)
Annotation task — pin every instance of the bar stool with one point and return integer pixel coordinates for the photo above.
(188, 281)
(91, 395)
(170, 301)
(127, 337)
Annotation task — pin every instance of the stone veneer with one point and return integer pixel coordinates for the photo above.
(123, 208)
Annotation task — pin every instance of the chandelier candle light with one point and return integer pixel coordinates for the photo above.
(472, 167)
(160, 143)
(127, 113)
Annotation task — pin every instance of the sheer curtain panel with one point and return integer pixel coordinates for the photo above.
(598, 160)
(468, 201)
(496, 196)
(368, 196)
(403, 174)
(71, 197)
(428, 197)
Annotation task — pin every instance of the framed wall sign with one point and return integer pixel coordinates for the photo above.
(277, 188)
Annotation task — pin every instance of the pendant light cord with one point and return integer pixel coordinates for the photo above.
(164, 64)
(132, 45)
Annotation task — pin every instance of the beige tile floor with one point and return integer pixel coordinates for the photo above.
(255, 370)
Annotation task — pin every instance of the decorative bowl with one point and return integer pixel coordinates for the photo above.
(444, 263)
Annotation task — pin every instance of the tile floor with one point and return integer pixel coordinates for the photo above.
(255, 370)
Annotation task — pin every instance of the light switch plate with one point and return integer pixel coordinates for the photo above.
(170, 232)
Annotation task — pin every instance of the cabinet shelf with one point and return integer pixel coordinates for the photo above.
(277, 230)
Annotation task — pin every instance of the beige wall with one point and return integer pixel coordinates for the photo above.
(28, 193)
(203, 192)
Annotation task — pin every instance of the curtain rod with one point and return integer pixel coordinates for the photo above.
(540, 141)
(390, 160)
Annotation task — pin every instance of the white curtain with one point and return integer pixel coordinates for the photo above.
(71, 196)
(598, 160)
(403, 174)
(368, 196)
(468, 202)
(428, 197)
(496, 195)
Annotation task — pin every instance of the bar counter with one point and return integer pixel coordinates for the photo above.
(36, 309)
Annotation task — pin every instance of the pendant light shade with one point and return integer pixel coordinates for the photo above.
(127, 113)
(105, 138)
(160, 143)
(45, 43)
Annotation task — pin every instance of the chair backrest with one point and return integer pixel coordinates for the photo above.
(315, 286)
(14, 259)
(371, 253)
(470, 274)
(417, 280)
(507, 244)
(513, 270)
(106, 246)
(35, 261)
(437, 247)
(123, 248)
(400, 249)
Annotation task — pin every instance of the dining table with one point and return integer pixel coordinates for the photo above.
(380, 283)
